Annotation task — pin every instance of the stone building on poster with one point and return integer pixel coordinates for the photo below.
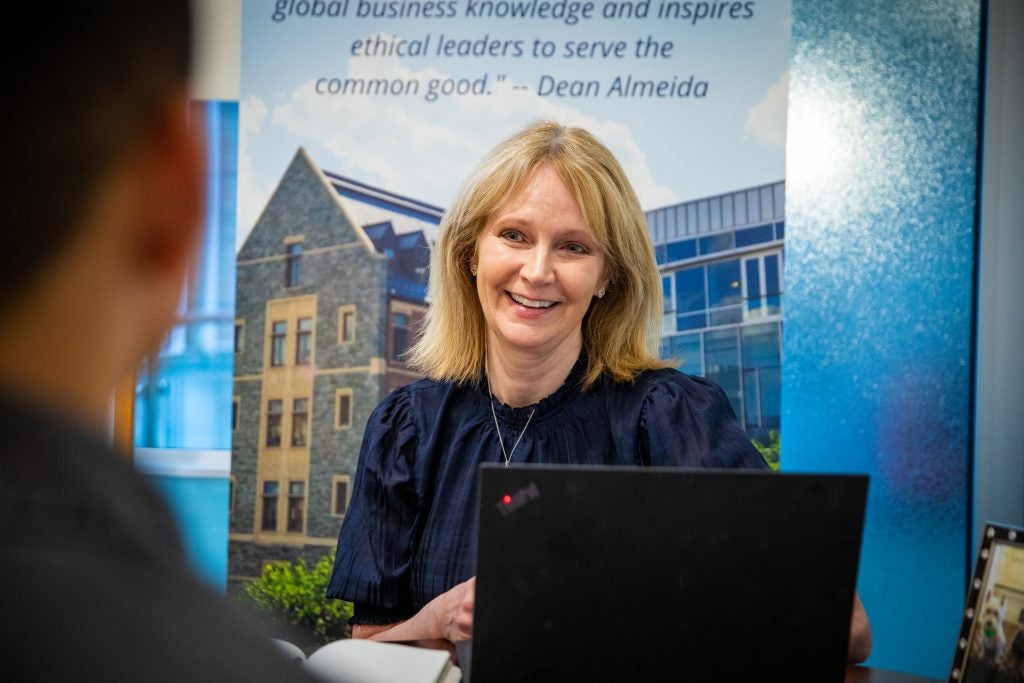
(331, 286)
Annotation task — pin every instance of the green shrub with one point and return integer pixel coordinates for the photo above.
(770, 451)
(292, 593)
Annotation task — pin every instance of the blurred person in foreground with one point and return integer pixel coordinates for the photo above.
(540, 346)
(102, 202)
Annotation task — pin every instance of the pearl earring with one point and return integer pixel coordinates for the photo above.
(600, 293)
(473, 269)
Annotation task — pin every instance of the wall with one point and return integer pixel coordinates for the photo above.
(882, 174)
(999, 441)
(217, 49)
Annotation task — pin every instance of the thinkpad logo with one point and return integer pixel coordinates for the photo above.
(510, 502)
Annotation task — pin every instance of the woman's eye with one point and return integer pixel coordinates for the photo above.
(512, 235)
(576, 248)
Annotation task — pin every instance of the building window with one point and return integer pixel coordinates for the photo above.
(725, 293)
(690, 289)
(235, 402)
(686, 350)
(300, 422)
(661, 254)
(722, 364)
(279, 331)
(668, 324)
(755, 235)
(691, 302)
(296, 504)
(681, 250)
(304, 341)
(346, 324)
(239, 336)
(399, 335)
(339, 494)
(762, 381)
(723, 284)
(711, 244)
(762, 285)
(293, 265)
(274, 407)
(344, 411)
(268, 521)
(773, 282)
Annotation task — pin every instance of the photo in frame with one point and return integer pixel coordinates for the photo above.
(990, 646)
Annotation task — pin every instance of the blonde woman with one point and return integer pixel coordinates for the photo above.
(540, 345)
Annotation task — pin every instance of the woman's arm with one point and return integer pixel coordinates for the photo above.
(860, 632)
(448, 616)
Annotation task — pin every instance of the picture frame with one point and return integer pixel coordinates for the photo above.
(990, 646)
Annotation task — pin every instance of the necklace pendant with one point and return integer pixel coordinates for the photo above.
(497, 428)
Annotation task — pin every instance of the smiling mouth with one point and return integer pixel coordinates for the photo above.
(530, 303)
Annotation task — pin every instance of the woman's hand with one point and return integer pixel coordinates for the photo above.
(860, 632)
(453, 611)
(449, 616)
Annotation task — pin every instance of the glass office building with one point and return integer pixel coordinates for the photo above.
(720, 260)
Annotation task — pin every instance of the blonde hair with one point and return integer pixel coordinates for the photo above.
(620, 330)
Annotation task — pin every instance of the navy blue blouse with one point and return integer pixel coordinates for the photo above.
(408, 533)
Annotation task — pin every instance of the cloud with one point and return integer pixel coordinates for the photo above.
(425, 149)
(252, 113)
(766, 120)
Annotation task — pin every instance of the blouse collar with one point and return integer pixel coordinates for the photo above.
(546, 405)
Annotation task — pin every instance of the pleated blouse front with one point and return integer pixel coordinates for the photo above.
(408, 533)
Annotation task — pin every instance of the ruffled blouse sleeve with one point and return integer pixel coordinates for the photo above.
(374, 554)
(687, 421)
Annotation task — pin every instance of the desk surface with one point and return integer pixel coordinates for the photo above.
(854, 673)
(867, 674)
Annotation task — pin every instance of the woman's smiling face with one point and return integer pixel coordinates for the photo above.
(539, 266)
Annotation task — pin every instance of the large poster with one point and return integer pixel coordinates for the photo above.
(358, 121)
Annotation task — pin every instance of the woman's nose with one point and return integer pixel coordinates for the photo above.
(537, 268)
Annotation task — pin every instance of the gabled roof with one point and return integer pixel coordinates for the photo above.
(378, 218)
(375, 196)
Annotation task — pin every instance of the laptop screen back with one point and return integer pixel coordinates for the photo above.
(615, 573)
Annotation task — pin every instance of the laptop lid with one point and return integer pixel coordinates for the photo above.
(623, 573)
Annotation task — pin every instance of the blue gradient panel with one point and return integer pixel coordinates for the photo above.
(183, 397)
(200, 506)
(881, 186)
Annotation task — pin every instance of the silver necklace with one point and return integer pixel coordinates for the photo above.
(507, 454)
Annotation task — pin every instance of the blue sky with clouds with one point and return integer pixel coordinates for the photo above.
(673, 149)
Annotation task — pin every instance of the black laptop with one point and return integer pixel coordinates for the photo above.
(634, 574)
